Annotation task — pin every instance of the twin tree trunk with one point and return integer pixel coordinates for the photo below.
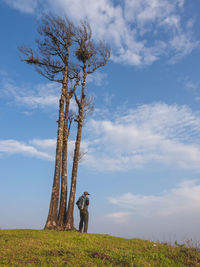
(65, 219)
(51, 222)
(55, 221)
(63, 196)
(70, 217)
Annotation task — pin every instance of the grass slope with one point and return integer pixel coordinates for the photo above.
(51, 248)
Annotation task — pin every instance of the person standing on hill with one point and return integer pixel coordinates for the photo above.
(83, 203)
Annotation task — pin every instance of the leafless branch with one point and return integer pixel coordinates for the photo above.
(82, 153)
(77, 101)
(57, 35)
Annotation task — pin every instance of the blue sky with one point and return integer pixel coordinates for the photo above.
(142, 165)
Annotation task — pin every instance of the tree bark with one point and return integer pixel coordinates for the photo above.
(70, 212)
(51, 222)
(52, 219)
(63, 196)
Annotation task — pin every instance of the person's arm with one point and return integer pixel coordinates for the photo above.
(87, 202)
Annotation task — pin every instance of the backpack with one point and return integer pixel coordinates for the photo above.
(80, 202)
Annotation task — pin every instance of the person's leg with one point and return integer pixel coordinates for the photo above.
(81, 221)
(86, 218)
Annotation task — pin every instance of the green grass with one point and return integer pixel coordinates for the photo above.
(51, 248)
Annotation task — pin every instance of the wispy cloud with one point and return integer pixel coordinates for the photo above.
(191, 85)
(37, 148)
(97, 78)
(182, 45)
(157, 133)
(171, 215)
(119, 217)
(37, 96)
(139, 32)
(47, 146)
(150, 134)
(45, 95)
(128, 26)
(184, 199)
(25, 6)
(12, 147)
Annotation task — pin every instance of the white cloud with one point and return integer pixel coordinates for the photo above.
(38, 96)
(150, 134)
(181, 3)
(119, 217)
(171, 215)
(127, 27)
(182, 45)
(184, 200)
(97, 78)
(172, 22)
(191, 85)
(45, 145)
(43, 96)
(38, 148)
(15, 147)
(25, 6)
(157, 133)
(146, 11)
(190, 23)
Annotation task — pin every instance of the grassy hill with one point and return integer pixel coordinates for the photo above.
(51, 248)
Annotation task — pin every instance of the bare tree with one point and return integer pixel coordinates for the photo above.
(92, 56)
(52, 62)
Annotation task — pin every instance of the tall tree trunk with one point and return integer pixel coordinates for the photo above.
(70, 218)
(63, 196)
(52, 218)
(70, 212)
(51, 222)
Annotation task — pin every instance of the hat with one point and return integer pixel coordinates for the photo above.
(86, 193)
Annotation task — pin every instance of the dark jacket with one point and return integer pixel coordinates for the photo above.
(85, 202)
